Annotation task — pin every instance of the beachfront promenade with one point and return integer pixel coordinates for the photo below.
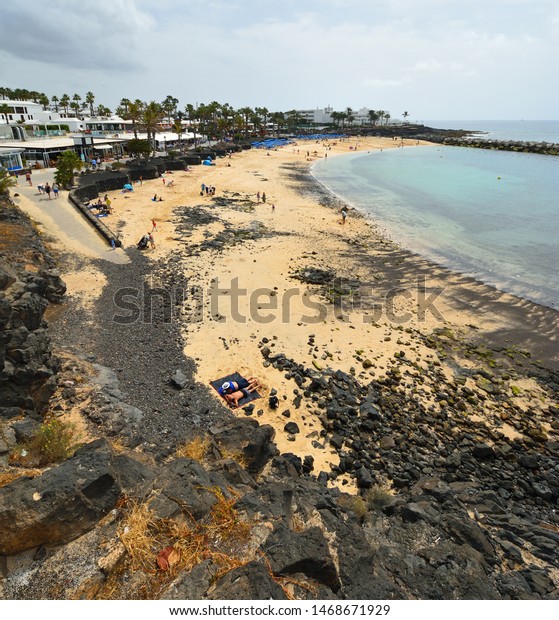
(60, 220)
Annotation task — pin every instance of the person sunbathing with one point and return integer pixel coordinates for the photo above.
(234, 398)
(233, 386)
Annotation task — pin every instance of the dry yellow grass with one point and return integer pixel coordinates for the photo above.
(196, 448)
(221, 537)
(235, 455)
(13, 473)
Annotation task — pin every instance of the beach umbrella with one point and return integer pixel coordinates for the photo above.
(128, 186)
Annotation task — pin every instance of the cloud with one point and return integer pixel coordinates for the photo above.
(89, 34)
(466, 58)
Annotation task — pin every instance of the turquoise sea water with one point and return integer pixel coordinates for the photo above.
(492, 215)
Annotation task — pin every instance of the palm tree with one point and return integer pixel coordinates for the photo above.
(246, 113)
(238, 124)
(191, 112)
(103, 111)
(350, 116)
(342, 116)
(278, 119)
(405, 115)
(5, 109)
(386, 117)
(152, 115)
(67, 164)
(6, 181)
(77, 103)
(263, 114)
(227, 115)
(134, 113)
(177, 127)
(373, 117)
(294, 119)
(169, 106)
(65, 102)
(90, 99)
(122, 109)
(55, 101)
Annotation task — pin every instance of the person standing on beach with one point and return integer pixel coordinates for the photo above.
(258, 198)
(48, 189)
(151, 241)
(28, 178)
(264, 197)
(344, 215)
(55, 189)
(153, 225)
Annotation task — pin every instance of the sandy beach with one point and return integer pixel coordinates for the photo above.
(252, 265)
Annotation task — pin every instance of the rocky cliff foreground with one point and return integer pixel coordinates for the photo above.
(446, 508)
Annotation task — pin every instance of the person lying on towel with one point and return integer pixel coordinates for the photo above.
(233, 386)
(234, 391)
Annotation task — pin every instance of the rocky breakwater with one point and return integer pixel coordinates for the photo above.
(540, 148)
(28, 282)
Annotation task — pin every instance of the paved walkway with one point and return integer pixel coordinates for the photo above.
(61, 220)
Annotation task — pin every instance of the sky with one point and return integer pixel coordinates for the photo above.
(435, 59)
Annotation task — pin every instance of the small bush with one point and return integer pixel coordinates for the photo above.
(377, 497)
(355, 504)
(53, 441)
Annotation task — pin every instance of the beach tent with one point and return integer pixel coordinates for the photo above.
(128, 187)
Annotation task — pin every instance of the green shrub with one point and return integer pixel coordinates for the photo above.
(52, 442)
(377, 497)
(355, 504)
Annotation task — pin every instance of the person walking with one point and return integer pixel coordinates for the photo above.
(153, 225)
(48, 189)
(28, 178)
(151, 241)
(264, 197)
(55, 189)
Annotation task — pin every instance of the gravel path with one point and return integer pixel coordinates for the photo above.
(145, 353)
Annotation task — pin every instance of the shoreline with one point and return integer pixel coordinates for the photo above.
(516, 304)
(543, 297)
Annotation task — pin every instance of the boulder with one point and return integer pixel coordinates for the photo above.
(252, 440)
(66, 501)
(249, 582)
(304, 552)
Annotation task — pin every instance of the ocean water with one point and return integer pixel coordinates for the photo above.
(492, 215)
(523, 131)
